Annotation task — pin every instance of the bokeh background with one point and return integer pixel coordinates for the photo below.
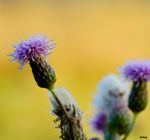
(93, 39)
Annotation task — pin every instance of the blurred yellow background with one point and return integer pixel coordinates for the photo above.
(93, 39)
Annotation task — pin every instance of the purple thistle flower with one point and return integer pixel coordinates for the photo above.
(34, 51)
(136, 71)
(99, 122)
(34, 47)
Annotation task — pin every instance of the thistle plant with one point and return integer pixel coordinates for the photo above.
(73, 113)
(138, 72)
(35, 51)
(115, 100)
(112, 118)
(116, 103)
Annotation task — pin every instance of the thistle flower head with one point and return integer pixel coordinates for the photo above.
(34, 51)
(119, 121)
(35, 47)
(66, 100)
(70, 124)
(99, 122)
(136, 71)
(111, 89)
(111, 103)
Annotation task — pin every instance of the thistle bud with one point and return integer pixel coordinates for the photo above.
(111, 102)
(110, 91)
(119, 121)
(44, 75)
(138, 97)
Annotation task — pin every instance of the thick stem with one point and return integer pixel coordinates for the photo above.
(132, 125)
(71, 131)
(74, 129)
(78, 130)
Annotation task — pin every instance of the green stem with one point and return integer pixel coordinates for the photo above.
(132, 125)
(65, 113)
(59, 103)
(110, 136)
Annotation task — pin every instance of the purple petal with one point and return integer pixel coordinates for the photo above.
(99, 122)
(34, 47)
(136, 70)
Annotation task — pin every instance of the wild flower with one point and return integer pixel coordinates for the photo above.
(70, 128)
(139, 73)
(35, 47)
(99, 121)
(34, 51)
(66, 100)
(112, 117)
(111, 89)
(136, 70)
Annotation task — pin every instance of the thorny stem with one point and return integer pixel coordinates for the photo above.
(71, 122)
(71, 130)
(59, 103)
(132, 125)
(65, 113)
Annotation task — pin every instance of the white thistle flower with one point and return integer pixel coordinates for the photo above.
(111, 90)
(66, 100)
